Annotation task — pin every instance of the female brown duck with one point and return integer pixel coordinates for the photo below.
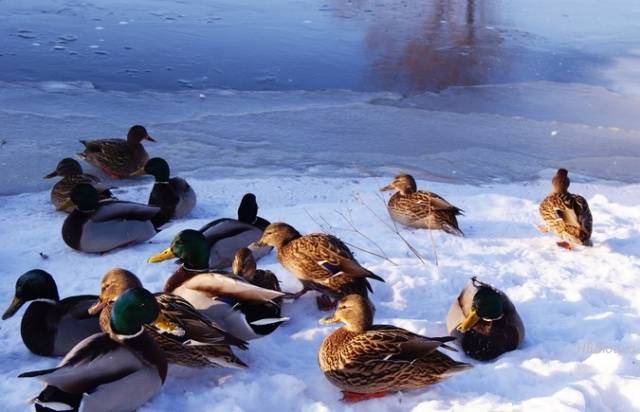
(369, 361)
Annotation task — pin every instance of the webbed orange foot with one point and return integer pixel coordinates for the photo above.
(352, 397)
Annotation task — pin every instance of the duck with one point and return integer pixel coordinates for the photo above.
(566, 214)
(227, 235)
(174, 196)
(187, 337)
(71, 172)
(118, 369)
(421, 210)
(321, 262)
(368, 361)
(484, 321)
(98, 227)
(244, 266)
(118, 158)
(221, 296)
(50, 326)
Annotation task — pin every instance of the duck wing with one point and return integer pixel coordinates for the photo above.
(121, 210)
(96, 360)
(217, 284)
(198, 329)
(332, 254)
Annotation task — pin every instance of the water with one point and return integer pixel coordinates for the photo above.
(405, 46)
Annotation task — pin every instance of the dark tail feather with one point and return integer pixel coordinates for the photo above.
(33, 374)
(51, 394)
(453, 230)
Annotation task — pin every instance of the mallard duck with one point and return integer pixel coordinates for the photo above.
(227, 235)
(244, 266)
(50, 326)
(484, 321)
(222, 297)
(567, 214)
(321, 262)
(422, 210)
(187, 337)
(370, 361)
(174, 196)
(102, 226)
(118, 158)
(71, 173)
(117, 370)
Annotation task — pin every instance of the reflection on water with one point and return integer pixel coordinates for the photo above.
(431, 45)
(399, 45)
(450, 45)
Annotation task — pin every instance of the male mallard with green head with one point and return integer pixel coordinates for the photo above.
(226, 235)
(173, 195)
(222, 297)
(71, 173)
(370, 361)
(50, 326)
(119, 369)
(422, 210)
(187, 337)
(484, 321)
(321, 262)
(118, 158)
(567, 214)
(97, 227)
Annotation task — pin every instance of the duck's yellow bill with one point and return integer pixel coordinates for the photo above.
(329, 320)
(165, 325)
(162, 256)
(139, 172)
(67, 203)
(469, 322)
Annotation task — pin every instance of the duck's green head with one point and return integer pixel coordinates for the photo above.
(137, 134)
(132, 310)
(486, 305)
(85, 197)
(190, 246)
(66, 167)
(248, 209)
(158, 168)
(34, 284)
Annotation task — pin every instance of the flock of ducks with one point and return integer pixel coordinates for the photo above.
(117, 345)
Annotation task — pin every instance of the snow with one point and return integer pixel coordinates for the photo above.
(580, 308)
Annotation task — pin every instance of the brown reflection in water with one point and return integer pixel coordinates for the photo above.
(429, 45)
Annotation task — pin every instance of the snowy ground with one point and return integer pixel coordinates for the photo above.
(581, 309)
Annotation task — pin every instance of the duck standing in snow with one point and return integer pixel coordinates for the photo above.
(321, 262)
(98, 227)
(71, 173)
(567, 214)
(119, 369)
(50, 326)
(421, 210)
(187, 337)
(370, 361)
(220, 296)
(118, 158)
(174, 196)
(227, 235)
(484, 321)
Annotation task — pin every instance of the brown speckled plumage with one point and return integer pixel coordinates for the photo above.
(118, 158)
(567, 214)
(214, 343)
(321, 262)
(422, 210)
(71, 173)
(364, 358)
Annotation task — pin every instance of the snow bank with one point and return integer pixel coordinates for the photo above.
(581, 308)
